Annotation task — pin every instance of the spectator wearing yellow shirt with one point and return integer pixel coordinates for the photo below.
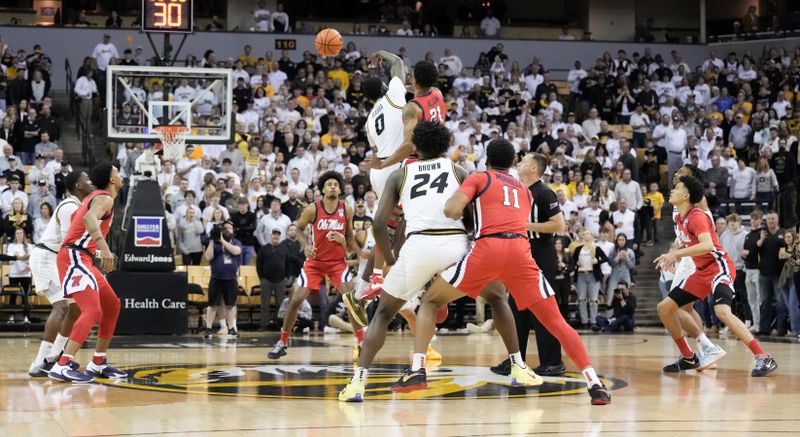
(742, 106)
(247, 58)
(268, 63)
(337, 73)
(657, 202)
(558, 184)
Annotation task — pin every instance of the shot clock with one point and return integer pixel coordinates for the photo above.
(167, 16)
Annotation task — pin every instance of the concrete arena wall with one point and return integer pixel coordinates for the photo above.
(76, 43)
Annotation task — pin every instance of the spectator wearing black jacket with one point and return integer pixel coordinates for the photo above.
(750, 256)
(272, 264)
(623, 305)
(244, 223)
(297, 257)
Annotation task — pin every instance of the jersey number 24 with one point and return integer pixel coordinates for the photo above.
(421, 186)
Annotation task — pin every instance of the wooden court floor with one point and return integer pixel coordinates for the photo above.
(183, 386)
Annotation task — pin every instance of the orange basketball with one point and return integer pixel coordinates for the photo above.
(329, 42)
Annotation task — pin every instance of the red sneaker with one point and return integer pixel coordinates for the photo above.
(441, 315)
(375, 286)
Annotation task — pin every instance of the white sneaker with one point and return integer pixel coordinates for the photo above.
(223, 328)
(473, 328)
(330, 330)
(709, 356)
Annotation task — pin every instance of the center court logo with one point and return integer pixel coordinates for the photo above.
(310, 381)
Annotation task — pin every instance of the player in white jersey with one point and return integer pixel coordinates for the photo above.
(45, 275)
(433, 240)
(386, 134)
(689, 319)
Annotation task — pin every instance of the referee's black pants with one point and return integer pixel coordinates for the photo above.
(548, 346)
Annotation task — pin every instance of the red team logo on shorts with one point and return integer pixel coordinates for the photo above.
(76, 280)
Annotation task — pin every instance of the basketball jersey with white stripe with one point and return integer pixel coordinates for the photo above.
(427, 184)
(59, 223)
(77, 234)
(385, 128)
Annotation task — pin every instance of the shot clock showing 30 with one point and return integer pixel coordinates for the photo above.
(167, 16)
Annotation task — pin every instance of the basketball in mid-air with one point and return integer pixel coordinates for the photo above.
(329, 42)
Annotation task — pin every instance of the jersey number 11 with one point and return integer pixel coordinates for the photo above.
(506, 200)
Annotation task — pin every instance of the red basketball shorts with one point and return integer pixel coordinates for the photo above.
(77, 272)
(314, 272)
(704, 279)
(500, 259)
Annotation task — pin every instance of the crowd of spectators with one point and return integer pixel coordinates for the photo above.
(613, 132)
(32, 166)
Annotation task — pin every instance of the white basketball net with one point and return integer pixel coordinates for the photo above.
(173, 138)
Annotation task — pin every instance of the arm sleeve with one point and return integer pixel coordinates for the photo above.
(473, 185)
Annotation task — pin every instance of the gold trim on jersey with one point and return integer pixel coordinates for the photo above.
(65, 201)
(438, 232)
(391, 102)
(403, 182)
(455, 173)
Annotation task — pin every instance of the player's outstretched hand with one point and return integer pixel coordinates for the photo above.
(665, 262)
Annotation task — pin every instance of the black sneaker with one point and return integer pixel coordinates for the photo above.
(503, 369)
(278, 351)
(411, 381)
(233, 333)
(207, 334)
(683, 363)
(550, 370)
(600, 395)
(765, 364)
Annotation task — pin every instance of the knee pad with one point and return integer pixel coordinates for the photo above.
(581, 300)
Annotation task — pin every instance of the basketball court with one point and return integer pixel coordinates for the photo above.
(183, 385)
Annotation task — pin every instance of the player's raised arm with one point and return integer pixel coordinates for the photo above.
(398, 67)
(380, 225)
(101, 207)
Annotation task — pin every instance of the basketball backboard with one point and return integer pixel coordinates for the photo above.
(139, 99)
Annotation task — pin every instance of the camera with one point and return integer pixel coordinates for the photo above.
(216, 232)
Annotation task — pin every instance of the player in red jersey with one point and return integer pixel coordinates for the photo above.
(85, 283)
(332, 233)
(427, 105)
(502, 253)
(714, 274)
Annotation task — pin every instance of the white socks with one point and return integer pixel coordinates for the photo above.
(361, 374)
(418, 362)
(516, 358)
(57, 347)
(591, 377)
(44, 352)
(702, 340)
